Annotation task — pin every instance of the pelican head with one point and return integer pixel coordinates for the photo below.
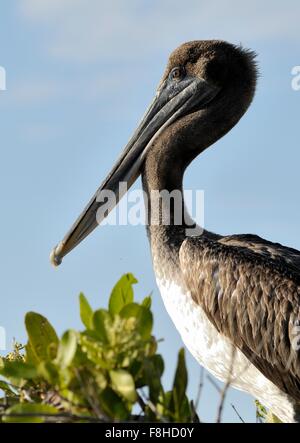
(206, 88)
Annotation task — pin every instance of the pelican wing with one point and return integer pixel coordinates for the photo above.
(281, 256)
(250, 290)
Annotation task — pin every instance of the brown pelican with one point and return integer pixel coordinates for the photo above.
(234, 299)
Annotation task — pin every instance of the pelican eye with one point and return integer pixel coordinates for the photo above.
(177, 73)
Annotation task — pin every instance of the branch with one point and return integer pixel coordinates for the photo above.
(226, 387)
(200, 388)
(65, 416)
(237, 413)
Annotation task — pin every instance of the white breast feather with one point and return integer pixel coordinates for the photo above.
(215, 352)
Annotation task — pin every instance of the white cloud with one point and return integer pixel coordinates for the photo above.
(88, 31)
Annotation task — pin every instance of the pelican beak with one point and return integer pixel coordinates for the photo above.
(171, 102)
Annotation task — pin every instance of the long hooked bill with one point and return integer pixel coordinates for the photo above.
(170, 103)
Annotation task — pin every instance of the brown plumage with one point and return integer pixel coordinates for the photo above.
(251, 294)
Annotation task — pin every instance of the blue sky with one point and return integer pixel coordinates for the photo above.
(78, 80)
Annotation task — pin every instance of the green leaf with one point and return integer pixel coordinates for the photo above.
(102, 324)
(147, 302)
(176, 402)
(158, 364)
(93, 351)
(272, 418)
(148, 372)
(123, 383)
(143, 318)
(261, 411)
(30, 411)
(184, 413)
(31, 357)
(100, 378)
(180, 379)
(122, 293)
(112, 405)
(17, 370)
(7, 388)
(41, 335)
(66, 349)
(153, 369)
(86, 312)
(175, 412)
(48, 371)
